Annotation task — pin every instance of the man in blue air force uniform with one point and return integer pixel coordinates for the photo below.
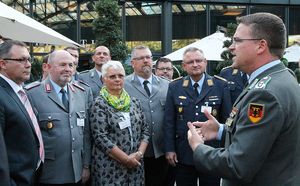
(186, 99)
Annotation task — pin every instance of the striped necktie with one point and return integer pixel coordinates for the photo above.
(28, 107)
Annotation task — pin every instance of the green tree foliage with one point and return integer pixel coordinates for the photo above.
(107, 28)
(226, 55)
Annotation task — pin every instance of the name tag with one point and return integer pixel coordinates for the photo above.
(208, 108)
(80, 122)
(125, 121)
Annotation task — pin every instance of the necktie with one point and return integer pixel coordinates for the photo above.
(196, 85)
(28, 107)
(146, 87)
(64, 98)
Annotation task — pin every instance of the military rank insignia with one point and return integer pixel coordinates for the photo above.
(255, 112)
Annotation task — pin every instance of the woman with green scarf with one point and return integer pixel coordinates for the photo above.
(119, 131)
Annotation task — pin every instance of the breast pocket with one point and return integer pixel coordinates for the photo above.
(50, 123)
(215, 104)
(181, 108)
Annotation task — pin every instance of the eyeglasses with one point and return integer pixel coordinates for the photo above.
(197, 61)
(240, 40)
(163, 69)
(20, 60)
(142, 58)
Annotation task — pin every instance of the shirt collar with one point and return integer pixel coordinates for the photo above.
(261, 69)
(200, 82)
(13, 85)
(57, 88)
(142, 79)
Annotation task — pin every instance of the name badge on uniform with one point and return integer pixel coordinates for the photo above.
(206, 107)
(80, 122)
(125, 121)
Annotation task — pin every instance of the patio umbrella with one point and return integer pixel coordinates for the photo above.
(17, 26)
(292, 53)
(212, 47)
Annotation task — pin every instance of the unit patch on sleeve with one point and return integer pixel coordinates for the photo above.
(255, 112)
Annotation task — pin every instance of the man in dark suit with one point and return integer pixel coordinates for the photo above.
(236, 81)
(4, 171)
(93, 76)
(186, 99)
(21, 139)
(262, 132)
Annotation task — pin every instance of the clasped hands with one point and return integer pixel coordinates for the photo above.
(202, 131)
(133, 160)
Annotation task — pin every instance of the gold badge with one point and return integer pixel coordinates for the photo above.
(185, 83)
(210, 82)
(180, 109)
(49, 125)
(255, 112)
(214, 112)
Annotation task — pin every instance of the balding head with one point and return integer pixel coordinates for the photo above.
(61, 66)
(101, 56)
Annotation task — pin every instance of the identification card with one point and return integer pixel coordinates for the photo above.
(125, 121)
(208, 108)
(80, 122)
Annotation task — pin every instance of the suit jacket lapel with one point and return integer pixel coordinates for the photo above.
(95, 77)
(136, 83)
(15, 97)
(155, 86)
(189, 89)
(53, 96)
(205, 89)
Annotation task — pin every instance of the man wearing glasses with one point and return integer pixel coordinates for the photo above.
(262, 132)
(18, 123)
(151, 90)
(164, 68)
(187, 98)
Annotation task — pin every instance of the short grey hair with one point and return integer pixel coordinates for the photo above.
(112, 64)
(192, 49)
(139, 47)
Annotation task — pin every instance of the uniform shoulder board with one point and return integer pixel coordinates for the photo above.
(83, 72)
(226, 67)
(32, 85)
(177, 78)
(83, 82)
(78, 86)
(262, 84)
(220, 78)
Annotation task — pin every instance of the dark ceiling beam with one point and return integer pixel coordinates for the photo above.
(180, 8)
(138, 6)
(61, 10)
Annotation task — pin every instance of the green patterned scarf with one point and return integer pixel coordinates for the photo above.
(120, 104)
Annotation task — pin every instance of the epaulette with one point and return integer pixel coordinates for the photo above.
(83, 72)
(177, 78)
(83, 82)
(32, 85)
(226, 67)
(262, 83)
(78, 86)
(220, 78)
